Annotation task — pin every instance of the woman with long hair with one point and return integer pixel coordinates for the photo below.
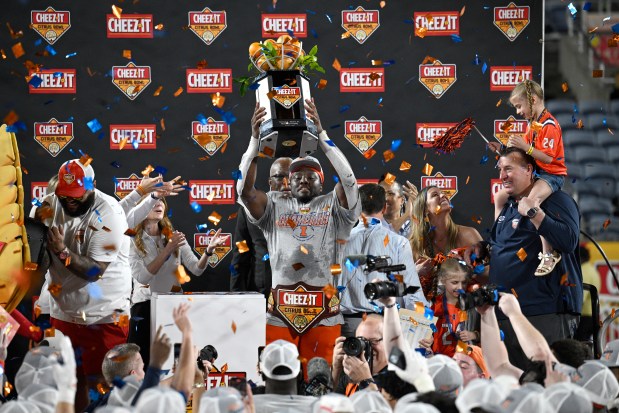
(157, 253)
(433, 231)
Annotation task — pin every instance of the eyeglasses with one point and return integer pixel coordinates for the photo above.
(374, 342)
(70, 198)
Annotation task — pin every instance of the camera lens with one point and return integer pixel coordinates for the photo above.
(353, 346)
(370, 290)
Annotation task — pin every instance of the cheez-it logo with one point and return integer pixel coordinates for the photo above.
(437, 77)
(363, 133)
(131, 79)
(207, 24)
(201, 241)
(50, 24)
(505, 78)
(360, 23)
(274, 25)
(447, 184)
(362, 80)
(511, 20)
(52, 135)
(133, 26)
(437, 23)
(211, 135)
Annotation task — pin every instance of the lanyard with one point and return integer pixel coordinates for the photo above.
(448, 317)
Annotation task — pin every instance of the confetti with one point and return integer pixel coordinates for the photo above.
(242, 246)
(18, 50)
(54, 289)
(386, 240)
(462, 10)
(467, 180)
(271, 94)
(218, 100)
(336, 269)
(116, 11)
(214, 218)
(304, 250)
(30, 266)
(322, 84)
(233, 326)
(178, 92)
(159, 26)
(514, 293)
(389, 179)
(522, 254)
(405, 166)
(427, 169)
(420, 32)
(94, 125)
(388, 155)
(369, 153)
(329, 291)
(158, 91)
(597, 73)
(196, 207)
(291, 223)
(181, 275)
(297, 266)
(606, 224)
(564, 87)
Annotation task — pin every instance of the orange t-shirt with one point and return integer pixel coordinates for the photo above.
(550, 141)
(444, 342)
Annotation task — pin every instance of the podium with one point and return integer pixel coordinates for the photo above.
(234, 323)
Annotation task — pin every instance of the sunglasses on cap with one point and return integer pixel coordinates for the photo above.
(70, 198)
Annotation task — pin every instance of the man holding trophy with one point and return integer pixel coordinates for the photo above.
(305, 234)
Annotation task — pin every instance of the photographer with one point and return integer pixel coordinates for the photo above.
(371, 237)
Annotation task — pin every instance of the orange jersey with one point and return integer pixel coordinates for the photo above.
(550, 141)
(444, 341)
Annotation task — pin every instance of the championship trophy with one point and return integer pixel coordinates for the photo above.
(282, 88)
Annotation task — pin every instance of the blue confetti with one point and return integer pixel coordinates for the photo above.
(48, 102)
(380, 100)
(35, 81)
(341, 288)
(479, 269)
(572, 9)
(575, 110)
(101, 135)
(336, 179)
(159, 185)
(290, 33)
(161, 170)
(433, 328)
(196, 207)
(502, 335)
(201, 227)
(70, 55)
(330, 142)
(587, 6)
(88, 183)
(456, 38)
(314, 33)
(310, 11)
(484, 159)
(50, 50)
(344, 108)
(408, 21)
(36, 202)
(473, 256)
(265, 257)
(428, 313)
(202, 119)
(170, 213)
(349, 265)
(337, 125)
(11, 129)
(94, 125)
(389, 63)
(329, 18)
(38, 42)
(395, 144)
(93, 395)
(476, 61)
(237, 175)
(135, 144)
(94, 290)
(484, 67)
(375, 221)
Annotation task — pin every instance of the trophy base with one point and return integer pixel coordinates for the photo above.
(288, 143)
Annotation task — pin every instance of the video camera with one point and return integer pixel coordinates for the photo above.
(484, 295)
(384, 289)
(208, 353)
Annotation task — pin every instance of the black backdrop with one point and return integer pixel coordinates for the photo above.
(173, 49)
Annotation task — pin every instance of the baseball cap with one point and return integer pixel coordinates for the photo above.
(123, 393)
(610, 356)
(114, 409)
(71, 177)
(415, 408)
(160, 400)
(567, 397)
(476, 354)
(446, 374)
(280, 353)
(599, 382)
(37, 367)
(333, 403)
(369, 401)
(44, 397)
(480, 393)
(19, 406)
(307, 162)
(221, 400)
(53, 341)
(525, 400)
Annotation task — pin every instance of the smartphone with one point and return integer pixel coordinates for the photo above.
(239, 383)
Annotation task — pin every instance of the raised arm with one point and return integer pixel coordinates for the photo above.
(182, 380)
(494, 350)
(346, 189)
(252, 199)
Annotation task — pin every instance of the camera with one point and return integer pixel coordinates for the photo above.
(208, 353)
(354, 346)
(383, 289)
(487, 294)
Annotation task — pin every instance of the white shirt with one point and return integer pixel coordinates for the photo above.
(99, 235)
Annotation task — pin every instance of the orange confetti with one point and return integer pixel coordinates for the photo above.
(476, 219)
(178, 92)
(612, 313)
(369, 153)
(336, 65)
(329, 290)
(405, 166)
(214, 218)
(67, 261)
(291, 223)
(507, 126)
(11, 117)
(130, 232)
(522, 254)
(499, 103)
(30, 266)
(158, 91)
(109, 247)
(462, 10)
(162, 123)
(34, 329)
(564, 87)
(428, 59)
(181, 275)
(383, 4)
(386, 240)
(374, 76)
(419, 307)
(123, 321)
(467, 180)
(377, 62)
(54, 289)
(223, 370)
(127, 54)
(461, 347)
(102, 388)
(514, 293)
(388, 155)
(159, 26)
(427, 169)
(389, 179)
(336, 269)
(232, 216)
(218, 100)
(3, 54)
(271, 94)
(322, 84)
(606, 224)
(123, 143)
(148, 170)
(365, 221)
(37, 311)
(49, 332)
(595, 73)
(233, 326)
(303, 249)
(242, 246)
(421, 32)
(297, 266)
(345, 35)
(116, 11)
(579, 124)
(18, 50)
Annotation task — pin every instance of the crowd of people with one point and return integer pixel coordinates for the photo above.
(376, 300)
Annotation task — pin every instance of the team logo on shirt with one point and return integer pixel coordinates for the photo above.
(437, 77)
(124, 186)
(360, 23)
(363, 133)
(447, 184)
(52, 135)
(495, 186)
(210, 135)
(207, 24)
(437, 23)
(511, 20)
(515, 222)
(131, 79)
(504, 128)
(275, 25)
(303, 224)
(50, 24)
(201, 240)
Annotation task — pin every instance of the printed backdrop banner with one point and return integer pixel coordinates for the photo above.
(133, 83)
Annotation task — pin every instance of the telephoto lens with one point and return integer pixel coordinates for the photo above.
(354, 346)
(383, 289)
(485, 295)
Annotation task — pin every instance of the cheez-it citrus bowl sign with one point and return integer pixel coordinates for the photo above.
(50, 24)
(362, 80)
(437, 77)
(131, 79)
(130, 26)
(209, 192)
(209, 80)
(274, 25)
(512, 19)
(428, 132)
(447, 184)
(207, 24)
(438, 23)
(124, 186)
(360, 23)
(201, 241)
(54, 81)
(133, 136)
(505, 78)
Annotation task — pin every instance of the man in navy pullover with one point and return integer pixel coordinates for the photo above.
(551, 303)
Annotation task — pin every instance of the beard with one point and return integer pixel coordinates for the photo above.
(82, 208)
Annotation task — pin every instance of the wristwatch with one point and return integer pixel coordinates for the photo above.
(363, 384)
(532, 212)
(64, 254)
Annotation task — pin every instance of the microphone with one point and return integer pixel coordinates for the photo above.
(318, 377)
(363, 259)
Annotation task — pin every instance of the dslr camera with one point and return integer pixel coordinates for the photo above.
(208, 353)
(383, 289)
(354, 346)
(485, 295)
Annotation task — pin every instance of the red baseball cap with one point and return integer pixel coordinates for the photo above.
(71, 177)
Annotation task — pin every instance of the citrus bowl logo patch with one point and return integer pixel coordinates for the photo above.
(133, 136)
(360, 23)
(274, 25)
(437, 77)
(362, 80)
(207, 24)
(50, 24)
(210, 135)
(511, 20)
(505, 78)
(206, 192)
(363, 133)
(52, 135)
(447, 184)
(131, 79)
(504, 128)
(201, 240)
(301, 308)
(124, 186)
(437, 23)
(427, 132)
(286, 95)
